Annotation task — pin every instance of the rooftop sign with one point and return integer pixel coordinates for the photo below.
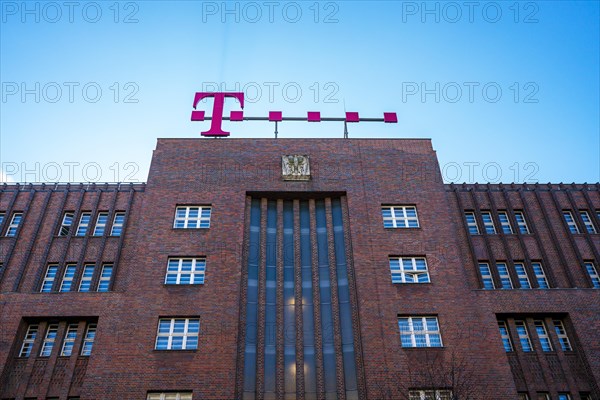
(274, 116)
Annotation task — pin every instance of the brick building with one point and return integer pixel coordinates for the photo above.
(299, 268)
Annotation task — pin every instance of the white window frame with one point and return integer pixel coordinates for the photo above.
(488, 226)
(105, 279)
(199, 222)
(171, 334)
(587, 221)
(66, 224)
(428, 333)
(82, 227)
(472, 223)
(505, 223)
(49, 279)
(504, 276)
(430, 394)
(523, 337)
(522, 275)
(505, 335)
(100, 225)
(593, 273)
(88, 340)
(13, 227)
(29, 340)
(86, 277)
(69, 340)
(198, 269)
(540, 275)
(487, 277)
(399, 217)
(169, 396)
(400, 274)
(542, 333)
(522, 223)
(118, 224)
(49, 340)
(570, 220)
(68, 279)
(563, 337)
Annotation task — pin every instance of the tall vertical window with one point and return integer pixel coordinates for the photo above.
(564, 396)
(49, 278)
(540, 275)
(170, 396)
(522, 275)
(14, 224)
(67, 222)
(88, 340)
(504, 275)
(105, 275)
(399, 217)
(523, 336)
(563, 338)
(488, 222)
(506, 342)
(570, 221)
(49, 340)
(471, 223)
(593, 273)
(86, 278)
(521, 223)
(84, 223)
(523, 396)
(69, 340)
(486, 276)
(30, 336)
(177, 334)
(543, 396)
(67, 281)
(101, 222)
(409, 270)
(505, 222)
(419, 332)
(542, 333)
(192, 217)
(185, 271)
(118, 222)
(1, 218)
(430, 395)
(587, 221)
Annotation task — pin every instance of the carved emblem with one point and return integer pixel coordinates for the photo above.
(295, 168)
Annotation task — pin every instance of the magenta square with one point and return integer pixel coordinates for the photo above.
(390, 117)
(314, 116)
(352, 117)
(275, 116)
(236, 116)
(197, 115)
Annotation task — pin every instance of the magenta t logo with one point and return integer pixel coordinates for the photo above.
(217, 115)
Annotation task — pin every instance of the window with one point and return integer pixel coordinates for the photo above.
(177, 334)
(472, 223)
(170, 396)
(587, 221)
(523, 396)
(1, 218)
(521, 223)
(14, 224)
(488, 222)
(430, 395)
(523, 336)
(191, 217)
(522, 275)
(49, 278)
(570, 222)
(105, 275)
(86, 278)
(88, 340)
(585, 396)
(486, 276)
(69, 341)
(118, 223)
(504, 276)
(84, 223)
(563, 339)
(543, 396)
(65, 226)
(542, 333)
(185, 271)
(593, 273)
(399, 217)
(30, 336)
(419, 332)
(49, 340)
(506, 342)
(540, 275)
(505, 222)
(65, 286)
(101, 222)
(564, 396)
(409, 270)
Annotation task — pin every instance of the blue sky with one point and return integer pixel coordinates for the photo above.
(507, 91)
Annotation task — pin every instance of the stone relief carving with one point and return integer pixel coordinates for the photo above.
(295, 167)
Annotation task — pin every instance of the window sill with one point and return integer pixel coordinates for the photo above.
(171, 351)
